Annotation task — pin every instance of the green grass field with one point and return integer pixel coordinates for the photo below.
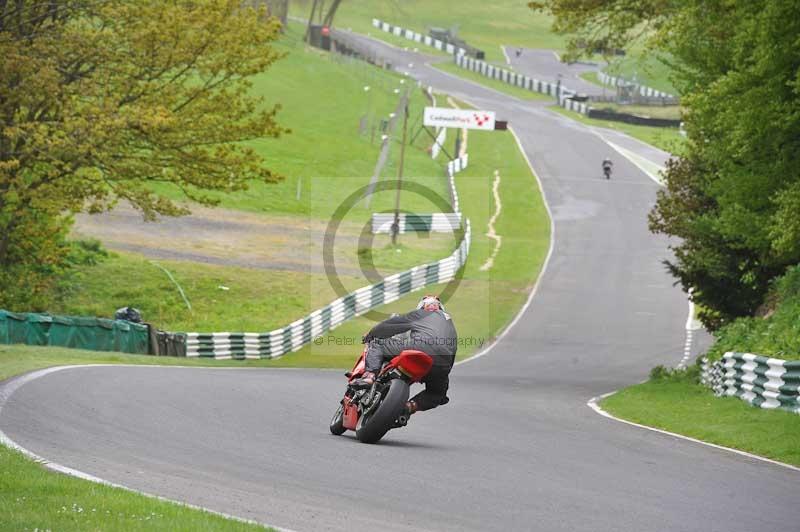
(485, 25)
(645, 68)
(263, 300)
(256, 300)
(672, 112)
(36, 499)
(678, 404)
(666, 138)
(485, 301)
(322, 97)
(591, 77)
(223, 298)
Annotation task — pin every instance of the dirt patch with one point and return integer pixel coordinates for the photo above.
(224, 237)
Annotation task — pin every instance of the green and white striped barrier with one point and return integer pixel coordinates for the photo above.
(523, 82)
(417, 37)
(761, 381)
(438, 222)
(226, 345)
(643, 90)
(441, 138)
(454, 167)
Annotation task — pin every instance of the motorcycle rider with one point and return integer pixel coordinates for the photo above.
(428, 329)
(607, 165)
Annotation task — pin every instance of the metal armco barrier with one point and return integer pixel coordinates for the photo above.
(453, 167)
(417, 37)
(606, 114)
(298, 333)
(642, 90)
(523, 82)
(441, 138)
(438, 222)
(227, 345)
(761, 381)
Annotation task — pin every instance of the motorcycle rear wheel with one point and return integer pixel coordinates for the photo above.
(337, 422)
(372, 428)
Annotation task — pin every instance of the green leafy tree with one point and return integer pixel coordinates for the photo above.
(734, 199)
(102, 99)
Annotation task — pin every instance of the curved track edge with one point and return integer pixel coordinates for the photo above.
(593, 404)
(7, 389)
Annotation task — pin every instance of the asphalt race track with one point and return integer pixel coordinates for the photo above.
(546, 66)
(516, 449)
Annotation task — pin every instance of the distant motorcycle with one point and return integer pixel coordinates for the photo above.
(607, 164)
(371, 412)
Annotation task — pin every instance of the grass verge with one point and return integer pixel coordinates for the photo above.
(511, 90)
(677, 403)
(224, 298)
(665, 138)
(592, 78)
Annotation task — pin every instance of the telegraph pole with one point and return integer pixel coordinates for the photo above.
(396, 224)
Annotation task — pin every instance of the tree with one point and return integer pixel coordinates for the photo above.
(320, 16)
(734, 197)
(100, 100)
(274, 8)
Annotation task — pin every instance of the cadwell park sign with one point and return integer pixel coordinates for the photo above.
(458, 118)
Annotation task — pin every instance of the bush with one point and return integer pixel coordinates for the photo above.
(777, 334)
(664, 374)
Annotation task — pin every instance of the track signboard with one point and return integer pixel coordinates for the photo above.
(458, 118)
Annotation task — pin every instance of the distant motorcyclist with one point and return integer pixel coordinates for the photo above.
(428, 329)
(607, 166)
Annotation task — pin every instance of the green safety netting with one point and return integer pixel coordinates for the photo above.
(96, 334)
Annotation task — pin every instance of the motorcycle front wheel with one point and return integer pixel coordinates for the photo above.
(373, 427)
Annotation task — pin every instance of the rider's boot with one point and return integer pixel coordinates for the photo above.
(402, 419)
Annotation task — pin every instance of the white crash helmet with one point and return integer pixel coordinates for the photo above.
(430, 303)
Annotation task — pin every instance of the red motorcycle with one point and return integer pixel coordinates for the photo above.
(375, 410)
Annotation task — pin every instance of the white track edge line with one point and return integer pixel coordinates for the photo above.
(546, 262)
(8, 388)
(592, 403)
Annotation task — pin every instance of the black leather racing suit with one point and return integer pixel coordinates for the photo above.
(431, 332)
